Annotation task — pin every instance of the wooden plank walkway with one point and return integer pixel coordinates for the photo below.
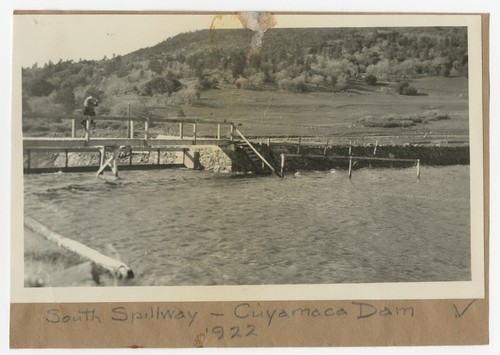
(68, 142)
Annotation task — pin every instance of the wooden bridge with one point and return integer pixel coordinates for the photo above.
(109, 149)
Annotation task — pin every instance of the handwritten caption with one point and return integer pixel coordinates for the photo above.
(244, 318)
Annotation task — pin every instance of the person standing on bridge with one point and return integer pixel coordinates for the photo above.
(88, 108)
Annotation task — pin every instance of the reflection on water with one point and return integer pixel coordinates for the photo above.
(182, 227)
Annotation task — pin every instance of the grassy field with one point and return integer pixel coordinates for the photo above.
(322, 114)
(280, 113)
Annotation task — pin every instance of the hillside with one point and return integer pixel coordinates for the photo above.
(183, 71)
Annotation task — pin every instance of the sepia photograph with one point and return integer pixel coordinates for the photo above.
(251, 150)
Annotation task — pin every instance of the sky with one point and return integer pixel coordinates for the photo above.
(71, 37)
(40, 38)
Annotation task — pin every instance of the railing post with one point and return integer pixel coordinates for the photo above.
(231, 132)
(181, 130)
(268, 141)
(66, 160)
(326, 146)
(350, 148)
(146, 129)
(130, 157)
(129, 122)
(375, 149)
(87, 130)
(282, 165)
(158, 161)
(218, 131)
(29, 159)
(418, 169)
(194, 133)
(73, 128)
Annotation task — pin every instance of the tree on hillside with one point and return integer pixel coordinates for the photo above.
(161, 85)
(237, 63)
(66, 97)
(40, 87)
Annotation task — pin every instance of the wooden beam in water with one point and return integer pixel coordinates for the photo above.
(117, 268)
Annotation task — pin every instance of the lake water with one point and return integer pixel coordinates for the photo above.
(184, 227)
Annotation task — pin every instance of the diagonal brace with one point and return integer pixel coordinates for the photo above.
(111, 162)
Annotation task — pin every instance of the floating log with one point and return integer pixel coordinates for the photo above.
(117, 268)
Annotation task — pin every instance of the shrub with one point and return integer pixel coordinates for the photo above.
(371, 79)
(409, 90)
(160, 85)
(403, 88)
(242, 83)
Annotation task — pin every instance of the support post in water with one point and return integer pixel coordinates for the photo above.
(181, 130)
(375, 149)
(326, 147)
(102, 155)
(298, 147)
(282, 165)
(231, 132)
(350, 167)
(350, 148)
(111, 162)
(418, 169)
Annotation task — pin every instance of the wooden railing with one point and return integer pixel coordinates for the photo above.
(147, 121)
